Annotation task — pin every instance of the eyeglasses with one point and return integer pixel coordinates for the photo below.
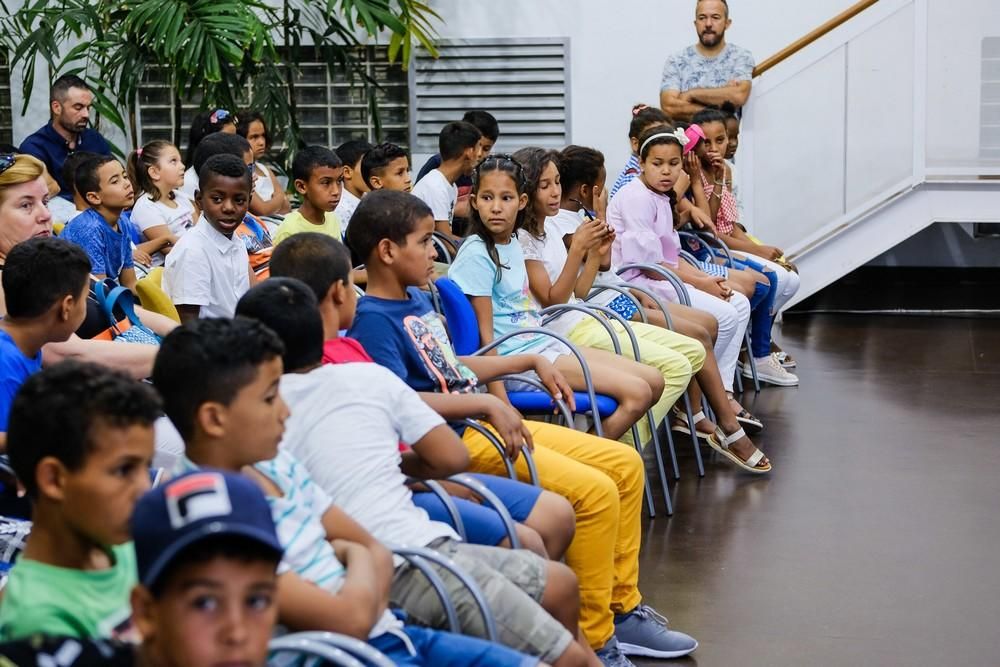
(7, 161)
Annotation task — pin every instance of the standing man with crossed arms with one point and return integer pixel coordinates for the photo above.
(709, 73)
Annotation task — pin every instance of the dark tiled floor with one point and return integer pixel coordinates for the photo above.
(876, 540)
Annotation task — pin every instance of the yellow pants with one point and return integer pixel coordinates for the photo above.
(676, 356)
(603, 480)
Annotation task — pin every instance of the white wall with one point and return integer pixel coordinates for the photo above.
(617, 48)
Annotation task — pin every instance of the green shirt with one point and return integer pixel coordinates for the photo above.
(87, 604)
(296, 223)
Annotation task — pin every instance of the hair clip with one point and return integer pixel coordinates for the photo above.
(218, 115)
(138, 151)
(639, 108)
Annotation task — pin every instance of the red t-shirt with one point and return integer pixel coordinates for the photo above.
(344, 351)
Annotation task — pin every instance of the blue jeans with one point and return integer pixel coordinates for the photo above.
(761, 305)
(482, 523)
(435, 648)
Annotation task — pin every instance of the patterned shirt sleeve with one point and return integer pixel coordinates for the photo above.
(671, 74)
(742, 65)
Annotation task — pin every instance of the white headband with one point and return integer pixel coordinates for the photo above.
(677, 134)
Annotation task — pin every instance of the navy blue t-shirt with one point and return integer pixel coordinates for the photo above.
(409, 338)
(49, 146)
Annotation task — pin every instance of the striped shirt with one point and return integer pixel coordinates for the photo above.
(298, 519)
(630, 171)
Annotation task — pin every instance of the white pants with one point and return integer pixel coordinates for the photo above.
(788, 282)
(733, 317)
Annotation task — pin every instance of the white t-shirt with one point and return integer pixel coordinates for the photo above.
(346, 423)
(567, 222)
(190, 183)
(208, 269)
(263, 187)
(438, 193)
(147, 213)
(551, 252)
(62, 210)
(345, 209)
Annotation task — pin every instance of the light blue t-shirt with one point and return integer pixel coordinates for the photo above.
(513, 306)
(110, 252)
(688, 69)
(15, 368)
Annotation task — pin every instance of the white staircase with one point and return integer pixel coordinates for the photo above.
(874, 132)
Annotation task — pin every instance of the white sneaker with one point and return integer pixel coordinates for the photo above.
(769, 370)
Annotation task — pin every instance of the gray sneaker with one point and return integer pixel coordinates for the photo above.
(611, 655)
(643, 631)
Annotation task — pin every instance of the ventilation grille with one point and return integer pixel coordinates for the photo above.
(520, 81)
(989, 117)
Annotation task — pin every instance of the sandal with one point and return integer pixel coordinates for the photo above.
(720, 442)
(679, 424)
(749, 422)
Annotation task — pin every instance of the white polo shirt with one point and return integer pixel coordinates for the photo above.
(208, 269)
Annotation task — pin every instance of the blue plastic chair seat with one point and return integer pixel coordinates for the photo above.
(536, 401)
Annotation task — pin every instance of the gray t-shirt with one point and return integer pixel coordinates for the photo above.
(688, 69)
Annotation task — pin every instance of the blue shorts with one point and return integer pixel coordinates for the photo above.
(624, 306)
(435, 648)
(482, 524)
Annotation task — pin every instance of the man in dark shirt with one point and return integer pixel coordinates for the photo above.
(70, 101)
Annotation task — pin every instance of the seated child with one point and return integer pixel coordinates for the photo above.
(318, 174)
(80, 440)
(161, 212)
(581, 171)
(365, 474)
(786, 272)
(490, 270)
(269, 196)
(204, 125)
(458, 144)
(105, 186)
(643, 217)
(710, 171)
(204, 543)
(602, 480)
(207, 271)
(351, 153)
(253, 233)
(45, 282)
(387, 167)
(69, 177)
(545, 520)
(643, 118)
(559, 275)
(487, 124)
(219, 381)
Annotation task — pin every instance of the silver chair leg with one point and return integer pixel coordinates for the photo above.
(694, 435)
(752, 363)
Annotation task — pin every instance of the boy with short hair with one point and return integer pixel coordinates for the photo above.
(204, 535)
(319, 175)
(253, 233)
(365, 473)
(351, 154)
(104, 185)
(545, 521)
(208, 270)
(45, 282)
(459, 147)
(386, 166)
(603, 480)
(81, 443)
(219, 380)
